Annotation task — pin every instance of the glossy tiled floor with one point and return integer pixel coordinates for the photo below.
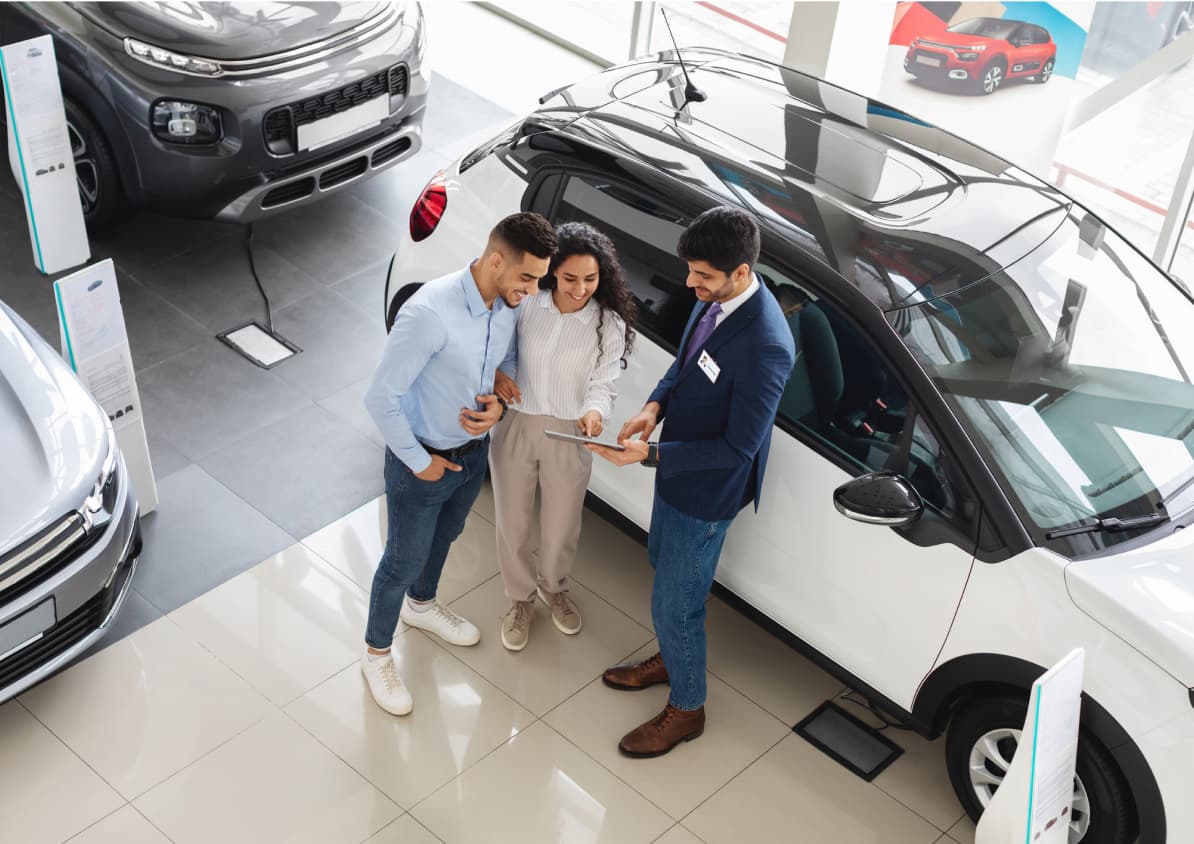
(241, 716)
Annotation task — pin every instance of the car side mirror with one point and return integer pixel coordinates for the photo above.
(879, 498)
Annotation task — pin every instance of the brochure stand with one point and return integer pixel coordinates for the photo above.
(1033, 803)
(96, 345)
(39, 151)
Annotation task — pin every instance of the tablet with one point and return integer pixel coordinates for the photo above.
(574, 438)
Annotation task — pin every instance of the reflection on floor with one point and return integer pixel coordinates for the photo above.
(241, 716)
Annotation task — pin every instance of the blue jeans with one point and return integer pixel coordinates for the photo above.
(424, 519)
(683, 550)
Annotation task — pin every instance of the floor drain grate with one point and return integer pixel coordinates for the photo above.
(848, 741)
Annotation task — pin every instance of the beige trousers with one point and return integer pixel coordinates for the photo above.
(521, 457)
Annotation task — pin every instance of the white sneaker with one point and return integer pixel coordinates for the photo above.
(386, 686)
(442, 622)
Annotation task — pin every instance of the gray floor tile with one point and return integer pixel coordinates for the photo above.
(302, 472)
(455, 113)
(214, 284)
(166, 459)
(135, 614)
(333, 238)
(157, 330)
(349, 405)
(366, 291)
(144, 241)
(340, 344)
(210, 396)
(200, 536)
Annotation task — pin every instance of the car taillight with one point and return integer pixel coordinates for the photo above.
(429, 208)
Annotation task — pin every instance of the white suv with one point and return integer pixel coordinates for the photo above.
(985, 452)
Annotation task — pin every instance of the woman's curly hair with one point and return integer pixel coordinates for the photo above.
(612, 293)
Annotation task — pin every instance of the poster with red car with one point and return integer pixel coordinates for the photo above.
(998, 74)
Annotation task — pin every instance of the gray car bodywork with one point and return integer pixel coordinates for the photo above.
(273, 58)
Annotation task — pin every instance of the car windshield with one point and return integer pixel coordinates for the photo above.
(1072, 371)
(986, 27)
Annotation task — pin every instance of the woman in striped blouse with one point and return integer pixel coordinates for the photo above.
(573, 339)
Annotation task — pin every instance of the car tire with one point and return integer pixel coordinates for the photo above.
(95, 168)
(1045, 74)
(1103, 811)
(991, 78)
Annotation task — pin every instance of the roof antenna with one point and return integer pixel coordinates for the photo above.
(692, 94)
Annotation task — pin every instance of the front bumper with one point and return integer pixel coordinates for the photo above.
(919, 62)
(88, 594)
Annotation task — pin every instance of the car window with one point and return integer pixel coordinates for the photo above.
(645, 232)
(1041, 36)
(840, 391)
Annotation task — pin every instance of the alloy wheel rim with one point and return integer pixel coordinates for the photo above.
(992, 79)
(1047, 72)
(86, 170)
(989, 761)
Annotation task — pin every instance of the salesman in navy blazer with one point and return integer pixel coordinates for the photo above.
(719, 398)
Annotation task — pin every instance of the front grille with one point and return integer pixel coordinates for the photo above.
(289, 192)
(337, 175)
(390, 150)
(57, 640)
(41, 556)
(281, 123)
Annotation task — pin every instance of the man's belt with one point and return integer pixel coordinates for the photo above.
(458, 451)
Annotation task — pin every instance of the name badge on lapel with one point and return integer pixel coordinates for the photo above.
(708, 366)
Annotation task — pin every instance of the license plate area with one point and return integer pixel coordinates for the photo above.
(929, 60)
(349, 122)
(27, 628)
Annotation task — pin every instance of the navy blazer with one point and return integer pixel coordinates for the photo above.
(714, 445)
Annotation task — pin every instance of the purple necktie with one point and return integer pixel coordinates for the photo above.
(702, 331)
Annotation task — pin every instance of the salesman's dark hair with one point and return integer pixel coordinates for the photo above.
(524, 232)
(724, 237)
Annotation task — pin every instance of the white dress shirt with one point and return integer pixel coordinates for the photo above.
(734, 304)
(560, 367)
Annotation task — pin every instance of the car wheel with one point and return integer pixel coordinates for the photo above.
(95, 168)
(980, 745)
(1046, 73)
(991, 78)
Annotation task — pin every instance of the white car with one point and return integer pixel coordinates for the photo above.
(984, 454)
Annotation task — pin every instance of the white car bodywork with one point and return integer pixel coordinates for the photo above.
(883, 609)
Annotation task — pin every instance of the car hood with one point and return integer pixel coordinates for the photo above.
(53, 435)
(228, 31)
(1146, 597)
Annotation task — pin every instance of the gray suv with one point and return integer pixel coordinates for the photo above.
(230, 111)
(69, 527)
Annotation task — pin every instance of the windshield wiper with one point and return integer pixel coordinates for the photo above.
(1111, 524)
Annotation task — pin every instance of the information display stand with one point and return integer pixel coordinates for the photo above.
(39, 151)
(1033, 803)
(96, 345)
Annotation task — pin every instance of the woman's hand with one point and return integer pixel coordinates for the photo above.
(590, 424)
(506, 387)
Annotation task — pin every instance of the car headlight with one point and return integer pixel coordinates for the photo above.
(98, 505)
(185, 123)
(160, 57)
(968, 57)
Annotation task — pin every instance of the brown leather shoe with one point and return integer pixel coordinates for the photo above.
(663, 732)
(632, 678)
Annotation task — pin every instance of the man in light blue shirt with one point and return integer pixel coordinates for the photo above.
(432, 399)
